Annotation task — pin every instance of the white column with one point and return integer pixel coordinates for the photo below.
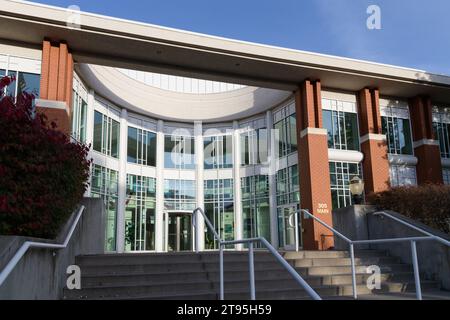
(90, 129)
(199, 161)
(159, 215)
(238, 232)
(272, 181)
(120, 241)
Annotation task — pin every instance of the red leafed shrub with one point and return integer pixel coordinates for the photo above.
(43, 175)
(429, 204)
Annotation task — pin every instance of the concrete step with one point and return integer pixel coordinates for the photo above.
(333, 270)
(331, 254)
(326, 262)
(170, 278)
(130, 259)
(196, 276)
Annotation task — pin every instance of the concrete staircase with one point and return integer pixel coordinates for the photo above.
(184, 276)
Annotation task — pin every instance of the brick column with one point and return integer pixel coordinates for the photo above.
(314, 170)
(56, 84)
(426, 147)
(373, 142)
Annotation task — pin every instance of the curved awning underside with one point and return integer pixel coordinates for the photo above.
(158, 103)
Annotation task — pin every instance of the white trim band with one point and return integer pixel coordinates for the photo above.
(51, 104)
(372, 136)
(427, 142)
(318, 131)
(345, 155)
(402, 159)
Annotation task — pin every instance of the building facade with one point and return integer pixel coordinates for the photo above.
(250, 156)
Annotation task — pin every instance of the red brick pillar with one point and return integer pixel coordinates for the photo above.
(314, 170)
(56, 84)
(373, 142)
(426, 147)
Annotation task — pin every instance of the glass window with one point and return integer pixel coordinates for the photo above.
(441, 126)
(288, 186)
(254, 147)
(398, 133)
(141, 147)
(287, 135)
(179, 194)
(219, 208)
(28, 82)
(342, 127)
(255, 206)
(106, 135)
(341, 173)
(104, 184)
(218, 152)
(98, 129)
(446, 176)
(403, 175)
(140, 213)
(179, 152)
(11, 89)
(79, 117)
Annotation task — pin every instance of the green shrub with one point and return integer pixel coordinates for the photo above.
(43, 175)
(429, 204)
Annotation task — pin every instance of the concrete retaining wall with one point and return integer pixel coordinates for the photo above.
(360, 223)
(41, 274)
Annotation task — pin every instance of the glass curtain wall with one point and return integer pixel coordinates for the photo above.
(179, 195)
(341, 124)
(179, 152)
(105, 185)
(24, 82)
(219, 208)
(441, 126)
(255, 206)
(287, 135)
(288, 190)
(106, 135)
(341, 173)
(254, 147)
(397, 128)
(140, 213)
(79, 116)
(288, 194)
(218, 152)
(402, 175)
(141, 147)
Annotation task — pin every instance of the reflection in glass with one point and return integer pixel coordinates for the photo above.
(398, 132)
(219, 208)
(255, 206)
(342, 127)
(179, 152)
(141, 147)
(140, 213)
(104, 185)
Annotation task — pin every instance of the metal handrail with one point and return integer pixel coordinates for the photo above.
(30, 244)
(412, 240)
(430, 235)
(340, 235)
(250, 242)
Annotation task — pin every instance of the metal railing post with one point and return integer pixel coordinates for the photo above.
(416, 270)
(251, 265)
(352, 258)
(222, 291)
(197, 234)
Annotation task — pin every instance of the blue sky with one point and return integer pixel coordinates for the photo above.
(414, 33)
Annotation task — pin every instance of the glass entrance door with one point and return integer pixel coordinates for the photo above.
(289, 226)
(179, 232)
